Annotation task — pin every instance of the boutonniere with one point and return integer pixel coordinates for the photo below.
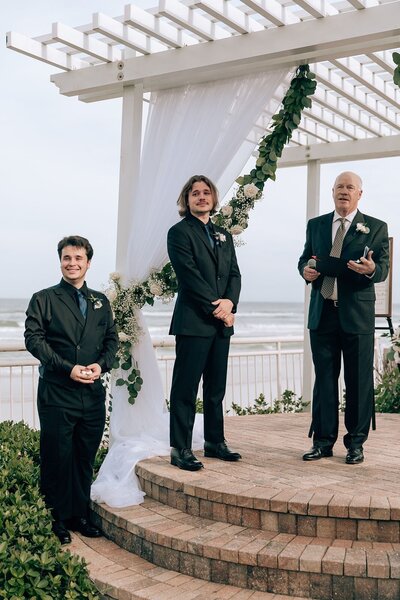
(97, 303)
(362, 228)
(219, 237)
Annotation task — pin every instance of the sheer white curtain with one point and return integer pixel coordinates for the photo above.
(197, 129)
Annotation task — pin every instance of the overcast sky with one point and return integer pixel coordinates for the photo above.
(59, 175)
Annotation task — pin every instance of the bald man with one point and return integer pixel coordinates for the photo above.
(345, 254)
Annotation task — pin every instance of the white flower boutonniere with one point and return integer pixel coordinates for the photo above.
(219, 237)
(97, 303)
(362, 228)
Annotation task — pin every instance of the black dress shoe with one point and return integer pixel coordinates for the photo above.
(354, 456)
(85, 527)
(185, 459)
(60, 530)
(221, 451)
(317, 452)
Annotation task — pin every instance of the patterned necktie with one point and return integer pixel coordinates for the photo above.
(328, 283)
(82, 303)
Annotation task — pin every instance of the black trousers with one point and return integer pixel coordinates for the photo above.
(69, 439)
(197, 356)
(328, 344)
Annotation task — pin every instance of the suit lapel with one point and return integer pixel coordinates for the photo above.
(326, 234)
(199, 233)
(69, 302)
(351, 235)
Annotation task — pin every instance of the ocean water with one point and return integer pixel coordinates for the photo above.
(254, 319)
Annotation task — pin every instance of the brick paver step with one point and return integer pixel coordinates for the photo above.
(272, 488)
(252, 558)
(120, 575)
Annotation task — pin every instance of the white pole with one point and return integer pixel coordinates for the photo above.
(131, 140)
(313, 193)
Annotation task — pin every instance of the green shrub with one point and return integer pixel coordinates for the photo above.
(387, 392)
(32, 564)
(287, 403)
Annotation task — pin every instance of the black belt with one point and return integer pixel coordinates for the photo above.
(333, 303)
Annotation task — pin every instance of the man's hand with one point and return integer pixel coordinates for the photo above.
(96, 370)
(366, 266)
(310, 274)
(224, 308)
(88, 374)
(229, 320)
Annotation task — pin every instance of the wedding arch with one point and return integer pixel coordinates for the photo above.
(214, 72)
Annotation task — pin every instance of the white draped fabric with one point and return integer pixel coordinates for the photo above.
(197, 129)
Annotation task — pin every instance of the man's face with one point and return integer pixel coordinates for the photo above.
(74, 265)
(346, 193)
(200, 199)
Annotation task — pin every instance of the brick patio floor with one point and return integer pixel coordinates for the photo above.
(271, 524)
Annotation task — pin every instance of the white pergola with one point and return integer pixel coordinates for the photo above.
(348, 44)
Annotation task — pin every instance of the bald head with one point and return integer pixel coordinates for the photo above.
(346, 192)
(351, 174)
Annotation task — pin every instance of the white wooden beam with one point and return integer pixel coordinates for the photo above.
(353, 95)
(312, 210)
(131, 140)
(273, 11)
(381, 147)
(316, 8)
(354, 69)
(85, 43)
(44, 53)
(226, 12)
(345, 115)
(125, 35)
(330, 124)
(191, 20)
(341, 35)
(156, 27)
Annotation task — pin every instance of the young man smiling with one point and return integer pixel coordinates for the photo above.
(70, 329)
(204, 260)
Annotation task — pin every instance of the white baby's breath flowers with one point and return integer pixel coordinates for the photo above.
(123, 337)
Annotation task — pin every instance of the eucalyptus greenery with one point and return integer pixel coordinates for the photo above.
(396, 74)
(235, 215)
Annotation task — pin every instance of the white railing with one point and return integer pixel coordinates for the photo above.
(256, 366)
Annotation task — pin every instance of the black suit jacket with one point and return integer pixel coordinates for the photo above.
(356, 293)
(58, 335)
(204, 275)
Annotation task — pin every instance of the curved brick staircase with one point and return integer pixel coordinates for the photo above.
(271, 526)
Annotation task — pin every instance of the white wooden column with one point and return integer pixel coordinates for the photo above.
(131, 140)
(313, 202)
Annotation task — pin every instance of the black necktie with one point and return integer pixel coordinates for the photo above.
(82, 303)
(210, 236)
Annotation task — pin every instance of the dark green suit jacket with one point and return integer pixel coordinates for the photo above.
(58, 335)
(204, 275)
(356, 293)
